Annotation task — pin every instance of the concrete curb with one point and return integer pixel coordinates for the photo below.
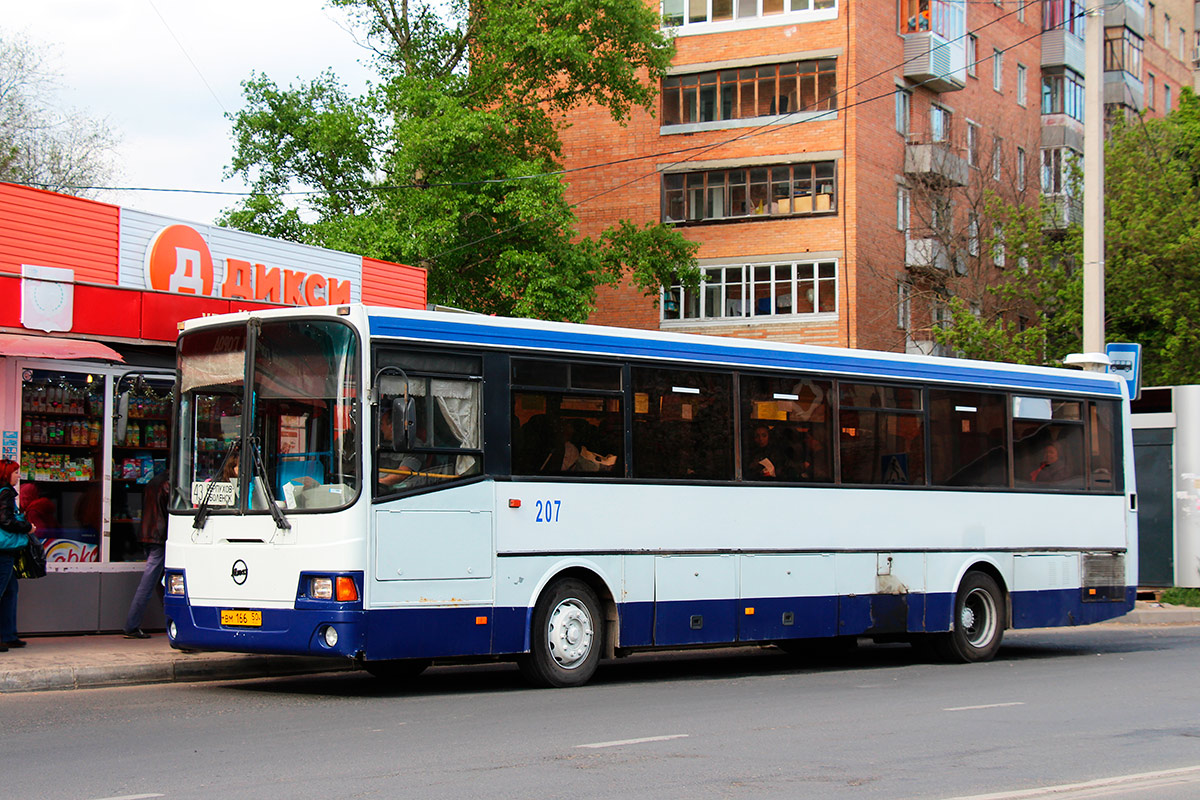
(180, 670)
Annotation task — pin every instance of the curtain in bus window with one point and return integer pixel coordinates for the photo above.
(787, 431)
(882, 435)
(454, 423)
(682, 424)
(967, 441)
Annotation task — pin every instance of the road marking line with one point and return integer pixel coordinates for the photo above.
(622, 742)
(989, 705)
(132, 797)
(1145, 779)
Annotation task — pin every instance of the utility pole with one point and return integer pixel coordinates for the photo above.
(1093, 187)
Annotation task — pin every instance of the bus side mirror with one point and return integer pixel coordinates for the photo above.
(404, 423)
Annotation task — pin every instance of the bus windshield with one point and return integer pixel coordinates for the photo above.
(300, 447)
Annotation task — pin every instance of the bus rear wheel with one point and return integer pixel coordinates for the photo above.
(396, 670)
(978, 623)
(567, 636)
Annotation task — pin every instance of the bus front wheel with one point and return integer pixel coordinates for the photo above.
(566, 638)
(978, 624)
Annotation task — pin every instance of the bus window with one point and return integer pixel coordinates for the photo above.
(447, 442)
(786, 429)
(1106, 475)
(682, 424)
(882, 434)
(1048, 446)
(561, 428)
(967, 441)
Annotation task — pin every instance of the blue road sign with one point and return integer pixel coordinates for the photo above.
(1126, 359)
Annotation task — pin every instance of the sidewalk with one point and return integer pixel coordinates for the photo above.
(92, 661)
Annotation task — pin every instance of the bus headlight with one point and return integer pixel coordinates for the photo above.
(175, 584)
(341, 588)
(320, 588)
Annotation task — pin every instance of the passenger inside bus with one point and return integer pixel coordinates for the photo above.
(766, 459)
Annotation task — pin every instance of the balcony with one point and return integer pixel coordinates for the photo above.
(1063, 49)
(1061, 210)
(934, 62)
(936, 163)
(922, 255)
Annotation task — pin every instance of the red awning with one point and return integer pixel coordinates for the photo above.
(16, 344)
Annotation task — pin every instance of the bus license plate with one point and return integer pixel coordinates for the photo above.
(241, 619)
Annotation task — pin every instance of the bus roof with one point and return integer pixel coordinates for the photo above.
(538, 336)
(596, 340)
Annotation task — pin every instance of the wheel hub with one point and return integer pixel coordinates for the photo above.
(570, 633)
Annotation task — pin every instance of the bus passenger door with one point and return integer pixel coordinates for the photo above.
(695, 599)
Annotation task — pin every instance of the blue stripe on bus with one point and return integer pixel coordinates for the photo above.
(703, 351)
(453, 632)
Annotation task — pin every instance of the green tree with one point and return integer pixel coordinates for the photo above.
(1152, 260)
(452, 160)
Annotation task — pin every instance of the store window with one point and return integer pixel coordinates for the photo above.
(62, 461)
(69, 434)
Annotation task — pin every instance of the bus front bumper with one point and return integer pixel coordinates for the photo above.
(329, 632)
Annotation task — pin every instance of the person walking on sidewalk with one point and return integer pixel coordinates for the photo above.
(153, 535)
(14, 534)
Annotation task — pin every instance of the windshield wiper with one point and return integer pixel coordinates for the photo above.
(202, 511)
(260, 471)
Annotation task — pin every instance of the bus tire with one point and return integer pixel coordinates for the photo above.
(566, 638)
(978, 623)
(396, 670)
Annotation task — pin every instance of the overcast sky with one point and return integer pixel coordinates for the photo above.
(163, 74)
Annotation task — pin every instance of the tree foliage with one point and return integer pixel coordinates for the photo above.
(1152, 261)
(451, 161)
(42, 145)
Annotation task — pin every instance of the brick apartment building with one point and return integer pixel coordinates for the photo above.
(833, 158)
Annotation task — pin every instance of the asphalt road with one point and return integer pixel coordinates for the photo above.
(1115, 707)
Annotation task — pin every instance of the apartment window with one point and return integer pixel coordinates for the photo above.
(1022, 93)
(1182, 45)
(1122, 51)
(939, 123)
(1020, 169)
(998, 245)
(941, 212)
(677, 13)
(973, 233)
(781, 190)
(1166, 31)
(748, 92)
(997, 69)
(997, 148)
(1062, 93)
(903, 208)
(972, 50)
(903, 306)
(1056, 166)
(742, 291)
(1067, 15)
(903, 110)
(1166, 98)
(1150, 20)
(947, 18)
(972, 144)
(1150, 90)
(1020, 10)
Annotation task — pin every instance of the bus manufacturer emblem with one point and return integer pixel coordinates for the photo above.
(239, 573)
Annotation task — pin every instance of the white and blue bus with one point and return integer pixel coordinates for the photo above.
(394, 487)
